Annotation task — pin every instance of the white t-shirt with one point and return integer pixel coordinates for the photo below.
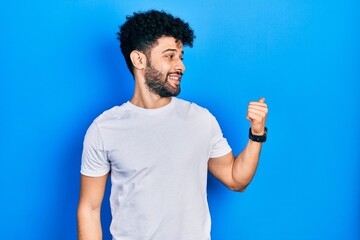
(158, 161)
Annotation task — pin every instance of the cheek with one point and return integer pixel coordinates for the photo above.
(164, 67)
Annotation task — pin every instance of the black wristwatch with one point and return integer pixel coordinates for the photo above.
(257, 138)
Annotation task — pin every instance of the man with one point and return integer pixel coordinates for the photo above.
(158, 148)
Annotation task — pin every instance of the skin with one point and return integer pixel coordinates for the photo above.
(166, 57)
(234, 172)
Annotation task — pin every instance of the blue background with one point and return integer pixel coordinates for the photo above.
(60, 67)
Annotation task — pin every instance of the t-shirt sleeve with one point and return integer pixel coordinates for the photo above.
(219, 144)
(94, 162)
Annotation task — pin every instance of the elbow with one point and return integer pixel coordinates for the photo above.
(237, 188)
(87, 210)
(239, 184)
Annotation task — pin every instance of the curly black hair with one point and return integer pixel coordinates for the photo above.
(141, 31)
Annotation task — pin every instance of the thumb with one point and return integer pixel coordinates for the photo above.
(261, 100)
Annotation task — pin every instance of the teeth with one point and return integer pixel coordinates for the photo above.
(174, 78)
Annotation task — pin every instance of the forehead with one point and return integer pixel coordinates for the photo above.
(165, 43)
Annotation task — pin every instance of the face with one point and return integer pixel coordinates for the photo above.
(165, 67)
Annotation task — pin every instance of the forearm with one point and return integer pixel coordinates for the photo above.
(237, 173)
(89, 224)
(245, 165)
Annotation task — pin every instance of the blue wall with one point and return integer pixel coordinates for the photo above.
(60, 67)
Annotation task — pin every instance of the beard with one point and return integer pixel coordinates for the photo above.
(157, 83)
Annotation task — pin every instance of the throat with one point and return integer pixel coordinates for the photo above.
(150, 101)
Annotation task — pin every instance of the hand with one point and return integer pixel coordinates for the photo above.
(257, 113)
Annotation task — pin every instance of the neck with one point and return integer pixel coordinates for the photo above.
(144, 98)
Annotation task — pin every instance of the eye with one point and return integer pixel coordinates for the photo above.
(170, 56)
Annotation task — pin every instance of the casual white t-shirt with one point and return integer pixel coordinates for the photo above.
(158, 161)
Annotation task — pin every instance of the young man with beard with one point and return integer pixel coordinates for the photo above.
(158, 148)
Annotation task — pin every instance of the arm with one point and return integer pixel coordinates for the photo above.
(237, 173)
(91, 195)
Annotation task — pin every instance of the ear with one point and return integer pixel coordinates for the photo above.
(138, 59)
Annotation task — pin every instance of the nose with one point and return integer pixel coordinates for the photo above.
(179, 66)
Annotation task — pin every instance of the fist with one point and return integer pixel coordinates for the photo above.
(256, 114)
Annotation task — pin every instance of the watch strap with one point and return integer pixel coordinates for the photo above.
(258, 138)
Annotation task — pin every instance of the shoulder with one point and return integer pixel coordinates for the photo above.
(190, 107)
(112, 114)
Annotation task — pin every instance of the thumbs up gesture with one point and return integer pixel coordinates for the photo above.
(256, 114)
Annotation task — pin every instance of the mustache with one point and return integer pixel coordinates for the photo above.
(177, 72)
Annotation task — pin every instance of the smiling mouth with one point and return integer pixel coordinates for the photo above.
(175, 78)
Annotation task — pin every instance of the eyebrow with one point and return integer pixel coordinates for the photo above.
(172, 50)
